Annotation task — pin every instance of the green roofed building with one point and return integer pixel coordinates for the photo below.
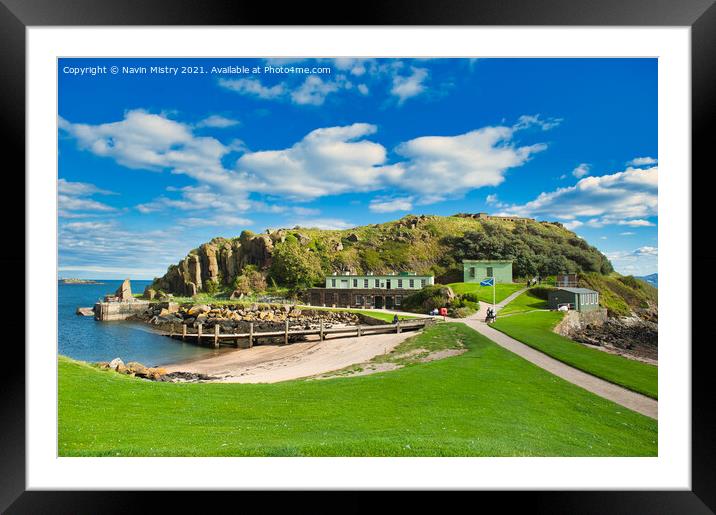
(579, 299)
(475, 271)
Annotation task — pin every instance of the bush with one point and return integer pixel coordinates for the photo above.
(211, 287)
(428, 298)
(470, 296)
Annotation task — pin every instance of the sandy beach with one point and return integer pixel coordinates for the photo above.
(274, 363)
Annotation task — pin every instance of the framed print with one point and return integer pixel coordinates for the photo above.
(423, 251)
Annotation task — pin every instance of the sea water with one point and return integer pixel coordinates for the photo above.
(86, 339)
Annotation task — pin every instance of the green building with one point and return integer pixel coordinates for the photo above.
(475, 271)
(579, 299)
(401, 281)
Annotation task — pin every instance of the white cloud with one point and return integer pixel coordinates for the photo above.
(573, 224)
(626, 233)
(363, 88)
(107, 248)
(253, 87)
(405, 87)
(642, 161)
(215, 221)
(74, 199)
(326, 161)
(323, 223)
(388, 205)
(455, 164)
(623, 198)
(581, 170)
(217, 122)
(313, 91)
(525, 121)
(646, 251)
(641, 261)
(636, 223)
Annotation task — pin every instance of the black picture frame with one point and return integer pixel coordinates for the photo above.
(700, 15)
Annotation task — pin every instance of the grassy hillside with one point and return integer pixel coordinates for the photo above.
(425, 244)
(622, 295)
(535, 330)
(485, 402)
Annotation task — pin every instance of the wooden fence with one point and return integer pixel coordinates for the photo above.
(216, 337)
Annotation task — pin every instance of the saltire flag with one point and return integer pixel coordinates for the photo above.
(490, 281)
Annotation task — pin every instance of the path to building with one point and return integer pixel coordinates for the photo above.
(627, 398)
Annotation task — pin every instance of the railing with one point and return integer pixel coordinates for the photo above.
(216, 337)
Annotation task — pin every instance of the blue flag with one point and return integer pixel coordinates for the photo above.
(488, 282)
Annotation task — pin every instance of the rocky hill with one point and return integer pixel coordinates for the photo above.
(425, 244)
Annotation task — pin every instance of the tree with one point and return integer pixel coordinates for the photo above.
(211, 287)
(295, 266)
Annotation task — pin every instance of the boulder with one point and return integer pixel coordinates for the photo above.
(199, 309)
(124, 292)
(115, 363)
(137, 369)
(86, 312)
(149, 293)
(353, 237)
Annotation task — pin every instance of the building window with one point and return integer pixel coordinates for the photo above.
(423, 282)
(377, 283)
(472, 271)
(344, 283)
(489, 271)
(355, 283)
(400, 283)
(398, 300)
(412, 283)
(359, 300)
(365, 283)
(333, 283)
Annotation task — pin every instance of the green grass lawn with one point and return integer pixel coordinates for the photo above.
(535, 329)
(485, 402)
(484, 293)
(525, 302)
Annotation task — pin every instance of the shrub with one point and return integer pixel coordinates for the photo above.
(211, 287)
(428, 298)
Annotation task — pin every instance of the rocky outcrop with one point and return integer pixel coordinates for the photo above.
(631, 336)
(219, 260)
(124, 292)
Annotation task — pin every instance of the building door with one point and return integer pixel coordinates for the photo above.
(378, 301)
(388, 302)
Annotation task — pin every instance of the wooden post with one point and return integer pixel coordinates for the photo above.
(183, 331)
(321, 331)
(397, 327)
(217, 328)
(251, 334)
(198, 334)
(359, 331)
(285, 336)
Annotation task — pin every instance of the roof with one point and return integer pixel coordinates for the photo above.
(487, 260)
(578, 290)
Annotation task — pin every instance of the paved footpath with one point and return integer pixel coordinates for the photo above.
(627, 398)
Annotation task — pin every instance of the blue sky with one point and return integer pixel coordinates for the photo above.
(154, 161)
